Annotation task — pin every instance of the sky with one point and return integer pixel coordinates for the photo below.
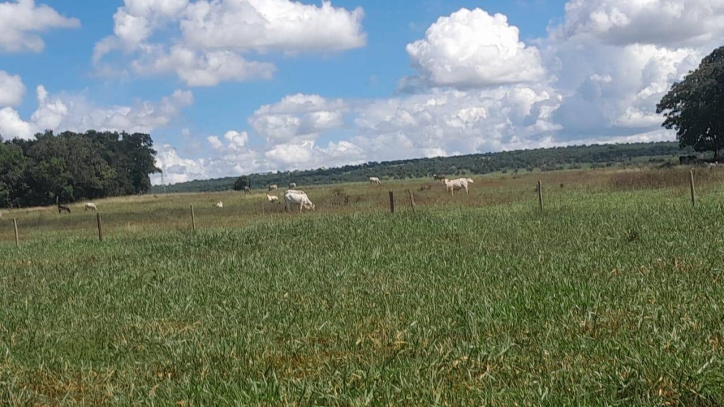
(232, 87)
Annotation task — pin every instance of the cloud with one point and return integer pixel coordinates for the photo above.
(442, 121)
(75, 113)
(611, 81)
(215, 34)
(236, 140)
(201, 68)
(21, 21)
(12, 89)
(216, 144)
(298, 116)
(264, 25)
(471, 48)
(656, 22)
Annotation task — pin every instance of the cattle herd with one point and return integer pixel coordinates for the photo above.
(296, 200)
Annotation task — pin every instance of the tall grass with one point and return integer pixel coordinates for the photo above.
(605, 298)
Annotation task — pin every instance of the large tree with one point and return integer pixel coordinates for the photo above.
(694, 107)
(73, 166)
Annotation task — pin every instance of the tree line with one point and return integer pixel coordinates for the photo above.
(544, 159)
(74, 166)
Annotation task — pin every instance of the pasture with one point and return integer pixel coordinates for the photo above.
(613, 295)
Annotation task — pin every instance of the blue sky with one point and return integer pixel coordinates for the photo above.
(237, 86)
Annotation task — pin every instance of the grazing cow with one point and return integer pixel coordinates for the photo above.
(91, 206)
(63, 208)
(294, 198)
(457, 184)
(219, 204)
(712, 165)
(272, 198)
(375, 180)
(292, 185)
(273, 187)
(247, 190)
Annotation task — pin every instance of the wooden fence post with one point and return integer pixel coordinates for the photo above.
(392, 202)
(540, 195)
(193, 218)
(100, 226)
(17, 238)
(691, 186)
(412, 200)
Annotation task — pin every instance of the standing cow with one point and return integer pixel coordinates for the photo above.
(273, 187)
(375, 181)
(293, 198)
(457, 184)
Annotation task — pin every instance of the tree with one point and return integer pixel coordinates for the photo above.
(694, 106)
(73, 166)
(241, 183)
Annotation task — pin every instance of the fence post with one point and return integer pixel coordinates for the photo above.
(17, 238)
(100, 226)
(392, 202)
(691, 186)
(193, 218)
(412, 200)
(540, 195)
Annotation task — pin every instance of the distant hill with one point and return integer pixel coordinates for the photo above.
(545, 159)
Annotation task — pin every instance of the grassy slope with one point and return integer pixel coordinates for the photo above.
(609, 297)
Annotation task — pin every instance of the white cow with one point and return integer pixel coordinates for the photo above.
(457, 184)
(293, 198)
(91, 206)
(219, 204)
(375, 180)
(273, 187)
(272, 198)
(292, 185)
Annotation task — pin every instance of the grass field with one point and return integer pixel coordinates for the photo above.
(614, 295)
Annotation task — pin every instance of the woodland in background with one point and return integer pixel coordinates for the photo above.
(72, 166)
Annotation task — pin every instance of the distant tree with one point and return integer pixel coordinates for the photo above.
(241, 183)
(694, 106)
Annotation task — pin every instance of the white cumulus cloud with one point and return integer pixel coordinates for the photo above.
(12, 89)
(75, 113)
(272, 25)
(214, 35)
(21, 22)
(657, 22)
(471, 48)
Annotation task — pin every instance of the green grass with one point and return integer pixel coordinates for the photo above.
(609, 297)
